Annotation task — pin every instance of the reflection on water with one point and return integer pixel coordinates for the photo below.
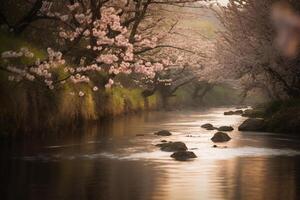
(108, 161)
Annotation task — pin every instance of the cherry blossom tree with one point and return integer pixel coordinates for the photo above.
(93, 37)
(191, 62)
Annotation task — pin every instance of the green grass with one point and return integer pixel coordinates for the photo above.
(154, 101)
(125, 100)
(182, 97)
(28, 106)
(13, 43)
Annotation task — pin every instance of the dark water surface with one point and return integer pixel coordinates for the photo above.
(109, 162)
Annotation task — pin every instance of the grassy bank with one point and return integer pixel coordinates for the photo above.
(283, 116)
(28, 109)
(279, 116)
(27, 106)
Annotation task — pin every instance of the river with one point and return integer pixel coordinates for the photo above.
(109, 162)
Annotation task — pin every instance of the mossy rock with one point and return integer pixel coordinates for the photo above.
(236, 112)
(208, 126)
(253, 124)
(163, 133)
(254, 113)
(172, 146)
(285, 121)
(225, 128)
(220, 137)
(183, 155)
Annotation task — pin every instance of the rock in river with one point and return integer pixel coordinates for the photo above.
(252, 124)
(183, 155)
(253, 113)
(208, 126)
(225, 128)
(163, 133)
(172, 146)
(236, 112)
(220, 137)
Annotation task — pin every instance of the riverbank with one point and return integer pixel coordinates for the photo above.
(25, 110)
(26, 107)
(278, 116)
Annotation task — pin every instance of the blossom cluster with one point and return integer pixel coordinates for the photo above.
(147, 42)
(16, 54)
(148, 68)
(79, 78)
(41, 70)
(119, 56)
(106, 42)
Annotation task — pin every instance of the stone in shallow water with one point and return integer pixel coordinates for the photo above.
(220, 137)
(254, 113)
(236, 112)
(191, 136)
(172, 146)
(252, 124)
(163, 133)
(208, 126)
(183, 155)
(225, 128)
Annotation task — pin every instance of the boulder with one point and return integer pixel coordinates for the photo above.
(183, 155)
(228, 113)
(163, 133)
(220, 137)
(236, 112)
(172, 146)
(208, 126)
(163, 141)
(252, 124)
(253, 113)
(286, 120)
(225, 128)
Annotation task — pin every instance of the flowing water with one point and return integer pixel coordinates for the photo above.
(109, 162)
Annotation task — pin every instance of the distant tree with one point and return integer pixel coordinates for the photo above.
(247, 50)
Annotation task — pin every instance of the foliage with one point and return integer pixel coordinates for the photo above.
(283, 116)
(94, 37)
(247, 51)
